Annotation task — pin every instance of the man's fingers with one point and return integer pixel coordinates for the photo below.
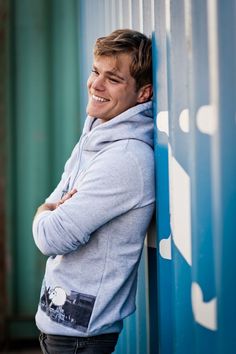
(67, 196)
(73, 191)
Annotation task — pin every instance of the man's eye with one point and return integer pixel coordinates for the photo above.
(115, 81)
(94, 71)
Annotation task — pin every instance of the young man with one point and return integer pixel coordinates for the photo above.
(93, 225)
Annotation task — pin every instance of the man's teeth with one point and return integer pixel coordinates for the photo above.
(100, 99)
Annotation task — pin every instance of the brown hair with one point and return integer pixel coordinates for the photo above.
(131, 42)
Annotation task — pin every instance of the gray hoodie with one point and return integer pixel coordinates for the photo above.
(95, 239)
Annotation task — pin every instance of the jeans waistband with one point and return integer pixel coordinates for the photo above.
(105, 336)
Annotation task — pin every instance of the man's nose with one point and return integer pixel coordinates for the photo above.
(98, 83)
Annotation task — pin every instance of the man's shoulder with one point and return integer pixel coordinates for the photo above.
(128, 155)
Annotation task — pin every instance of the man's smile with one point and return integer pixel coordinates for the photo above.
(100, 99)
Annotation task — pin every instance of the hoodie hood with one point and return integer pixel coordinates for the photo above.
(135, 123)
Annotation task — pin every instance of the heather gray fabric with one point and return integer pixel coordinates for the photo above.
(94, 240)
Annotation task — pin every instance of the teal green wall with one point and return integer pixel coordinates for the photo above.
(43, 125)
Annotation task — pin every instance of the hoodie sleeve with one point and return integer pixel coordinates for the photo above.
(111, 186)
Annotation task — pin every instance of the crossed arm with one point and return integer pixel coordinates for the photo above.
(53, 206)
(110, 188)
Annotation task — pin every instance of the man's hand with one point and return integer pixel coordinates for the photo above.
(66, 197)
(45, 207)
(53, 206)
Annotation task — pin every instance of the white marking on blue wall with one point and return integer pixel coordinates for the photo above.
(168, 22)
(163, 122)
(165, 248)
(206, 119)
(180, 208)
(184, 120)
(205, 313)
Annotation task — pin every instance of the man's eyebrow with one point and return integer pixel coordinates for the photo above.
(111, 73)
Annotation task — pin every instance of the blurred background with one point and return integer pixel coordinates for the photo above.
(186, 290)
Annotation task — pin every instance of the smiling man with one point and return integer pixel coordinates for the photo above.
(112, 89)
(93, 225)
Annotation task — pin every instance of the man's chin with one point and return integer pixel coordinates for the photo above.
(90, 112)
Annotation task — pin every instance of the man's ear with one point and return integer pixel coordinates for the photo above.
(145, 93)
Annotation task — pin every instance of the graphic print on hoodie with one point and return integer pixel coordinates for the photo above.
(73, 310)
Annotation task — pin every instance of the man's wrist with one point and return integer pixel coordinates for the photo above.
(45, 207)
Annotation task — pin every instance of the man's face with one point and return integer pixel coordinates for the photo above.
(111, 88)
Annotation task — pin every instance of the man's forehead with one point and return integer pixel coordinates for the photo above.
(115, 63)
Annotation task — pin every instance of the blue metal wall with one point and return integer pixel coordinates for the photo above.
(194, 128)
(188, 268)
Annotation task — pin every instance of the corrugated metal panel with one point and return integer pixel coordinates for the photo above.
(29, 119)
(127, 12)
(165, 336)
(136, 14)
(188, 285)
(43, 129)
(224, 172)
(201, 117)
(190, 174)
(203, 273)
(179, 181)
(64, 81)
(4, 57)
(89, 12)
